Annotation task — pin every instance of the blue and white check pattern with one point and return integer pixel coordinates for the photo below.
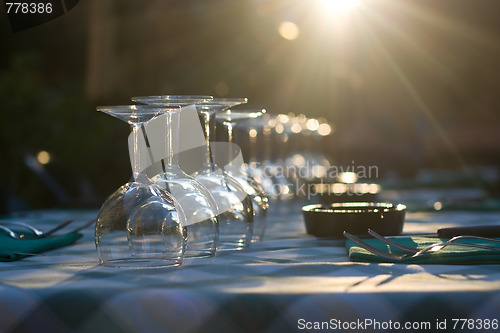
(270, 287)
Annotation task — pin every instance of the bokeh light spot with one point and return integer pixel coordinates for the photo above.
(348, 177)
(296, 128)
(280, 128)
(43, 157)
(312, 124)
(288, 30)
(324, 129)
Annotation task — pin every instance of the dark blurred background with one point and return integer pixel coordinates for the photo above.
(406, 85)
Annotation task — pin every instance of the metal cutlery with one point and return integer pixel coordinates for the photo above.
(388, 241)
(35, 233)
(414, 252)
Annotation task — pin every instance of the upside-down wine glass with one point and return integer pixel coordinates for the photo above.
(229, 118)
(139, 225)
(234, 206)
(266, 143)
(196, 201)
(236, 219)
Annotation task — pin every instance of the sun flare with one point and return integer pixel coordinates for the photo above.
(338, 6)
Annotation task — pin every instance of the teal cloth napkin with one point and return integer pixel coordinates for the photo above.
(452, 255)
(14, 249)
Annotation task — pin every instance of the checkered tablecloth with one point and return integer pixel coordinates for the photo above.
(288, 282)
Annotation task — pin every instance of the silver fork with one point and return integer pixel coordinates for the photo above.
(38, 233)
(387, 241)
(431, 248)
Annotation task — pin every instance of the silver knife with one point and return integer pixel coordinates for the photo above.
(491, 231)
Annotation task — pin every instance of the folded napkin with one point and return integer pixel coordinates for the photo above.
(14, 249)
(451, 255)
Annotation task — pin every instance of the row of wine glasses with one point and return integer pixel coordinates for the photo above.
(169, 209)
(230, 119)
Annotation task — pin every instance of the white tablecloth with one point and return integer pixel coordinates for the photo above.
(288, 282)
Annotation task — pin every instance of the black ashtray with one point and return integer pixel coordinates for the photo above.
(331, 220)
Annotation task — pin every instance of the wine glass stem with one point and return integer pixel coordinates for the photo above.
(172, 157)
(229, 126)
(208, 118)
(252, 139)
(137, 157)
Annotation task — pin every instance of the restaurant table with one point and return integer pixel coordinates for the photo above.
(288, 282)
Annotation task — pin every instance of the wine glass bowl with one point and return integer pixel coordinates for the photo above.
(199, 208)
(235, 212)
(139, 226)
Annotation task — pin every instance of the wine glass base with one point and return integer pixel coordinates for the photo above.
(198, 254)
(225, 247)
(141, 263)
